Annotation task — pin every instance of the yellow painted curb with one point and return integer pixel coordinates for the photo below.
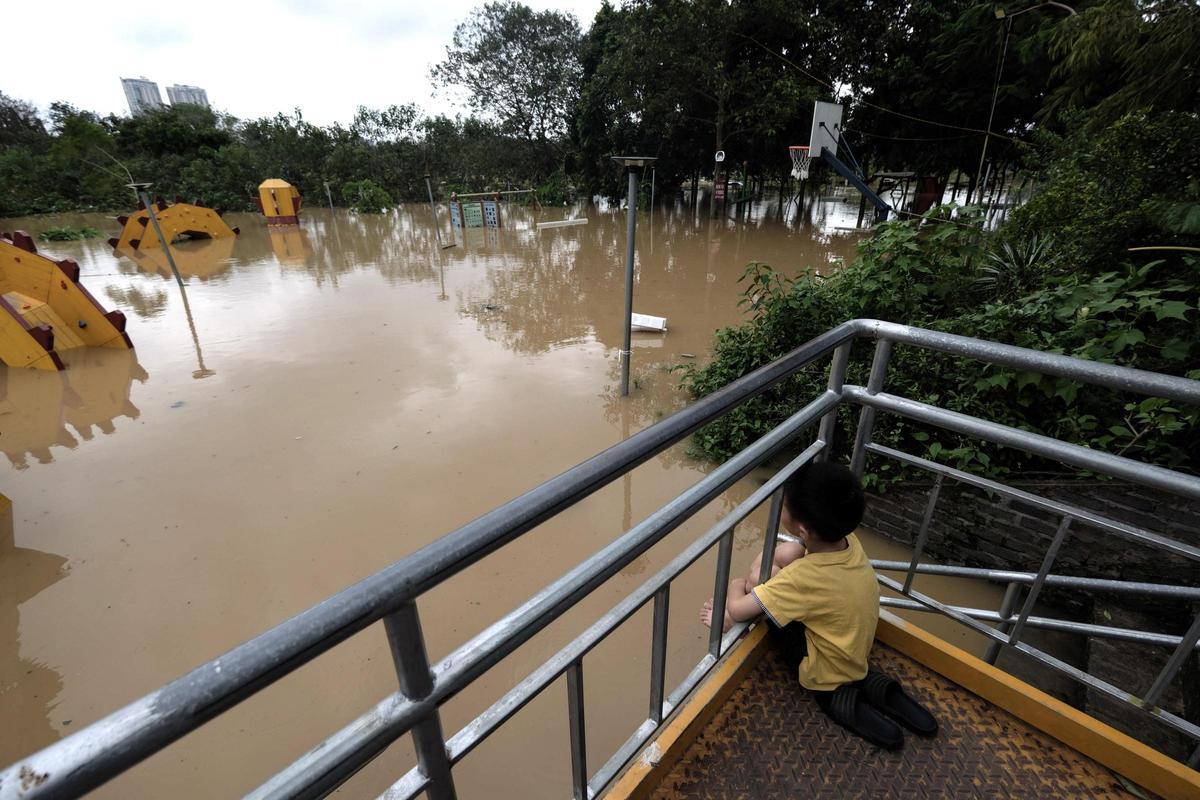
(657, 758)
(1104, 744)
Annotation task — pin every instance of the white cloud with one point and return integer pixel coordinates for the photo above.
(253, 57)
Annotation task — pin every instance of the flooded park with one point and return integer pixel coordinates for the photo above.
(331, 397)
(418, 444)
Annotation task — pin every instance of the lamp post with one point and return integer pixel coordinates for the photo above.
(634, 165)
(1001, 14)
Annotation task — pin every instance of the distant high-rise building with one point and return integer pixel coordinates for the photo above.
(187, 94)
(142, 94)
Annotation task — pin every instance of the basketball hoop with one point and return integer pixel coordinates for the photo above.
(800, 161)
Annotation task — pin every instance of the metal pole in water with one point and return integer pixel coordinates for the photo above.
(630, 232)
(329, 195)
(433, 211)
(633, 164)
(653, 175)
(166, 246)
(139, 188)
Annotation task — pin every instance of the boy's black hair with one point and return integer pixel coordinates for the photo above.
(826, 498)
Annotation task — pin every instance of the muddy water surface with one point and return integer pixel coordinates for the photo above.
(330, 398)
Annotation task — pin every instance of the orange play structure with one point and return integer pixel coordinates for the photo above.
(177, 220)
(279, 202)
(44, 309)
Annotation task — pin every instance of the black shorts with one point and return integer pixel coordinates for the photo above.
(792, 645)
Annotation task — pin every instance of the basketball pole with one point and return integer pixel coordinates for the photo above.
(633, 164)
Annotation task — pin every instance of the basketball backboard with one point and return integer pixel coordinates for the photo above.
(826, 128)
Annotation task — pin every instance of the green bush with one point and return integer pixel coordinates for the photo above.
(366, 197)
(928, 275)
(67, 233)
(1131, 184)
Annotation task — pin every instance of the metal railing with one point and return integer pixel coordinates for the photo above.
(112, 745)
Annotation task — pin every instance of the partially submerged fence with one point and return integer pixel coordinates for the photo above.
(112, 745)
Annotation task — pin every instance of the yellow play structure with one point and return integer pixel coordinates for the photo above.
(44, 309)
(279, 202)
(177, 220)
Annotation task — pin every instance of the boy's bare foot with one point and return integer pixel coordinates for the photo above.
(706, 611)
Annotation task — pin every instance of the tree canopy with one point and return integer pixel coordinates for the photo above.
(677, 79)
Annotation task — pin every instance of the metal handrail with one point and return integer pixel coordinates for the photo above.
(108, 747)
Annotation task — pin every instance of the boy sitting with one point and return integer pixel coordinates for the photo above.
(822, 596)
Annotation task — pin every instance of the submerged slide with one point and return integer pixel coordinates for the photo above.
(45, 310)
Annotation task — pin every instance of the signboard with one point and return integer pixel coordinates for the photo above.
(473, 214)
(719, 190)
(720, 156)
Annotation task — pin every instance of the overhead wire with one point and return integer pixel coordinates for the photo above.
(868, 103)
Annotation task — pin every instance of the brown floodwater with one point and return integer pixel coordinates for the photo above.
(330, 398)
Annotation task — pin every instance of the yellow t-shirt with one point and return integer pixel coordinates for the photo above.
(836, 596)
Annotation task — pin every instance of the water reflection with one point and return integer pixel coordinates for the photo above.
(89, 396)
(24, 572)
(547, 289)
(146, 303)
(204, 259)
(290, 244)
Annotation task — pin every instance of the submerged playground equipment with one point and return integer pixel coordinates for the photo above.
(823, 141)
(44, 309)
(177, 221)
(482, 209)
(279, 202)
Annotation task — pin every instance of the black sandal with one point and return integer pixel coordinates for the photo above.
(845, 707)
(887, 695)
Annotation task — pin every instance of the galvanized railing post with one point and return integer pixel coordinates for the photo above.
(579, 773)
(1174, 664)
(1011, 595)
(771, 536)
(923, 535)
(1039, 581)
(407, 644)
(866, 419)
(837, 379)
(658, 653)
(720, 592)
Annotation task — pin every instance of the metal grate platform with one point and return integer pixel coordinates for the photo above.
(770, 740)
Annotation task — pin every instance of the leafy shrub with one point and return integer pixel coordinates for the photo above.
(907, 272)
(1143, 316)
(1132, 183)
(67, 233)
(366, 196)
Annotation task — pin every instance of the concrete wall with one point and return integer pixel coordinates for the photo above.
(973, 529)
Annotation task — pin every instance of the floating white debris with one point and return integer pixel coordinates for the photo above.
(645, 322)
(563, 223)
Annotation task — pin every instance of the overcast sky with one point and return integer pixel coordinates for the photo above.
(254, 57)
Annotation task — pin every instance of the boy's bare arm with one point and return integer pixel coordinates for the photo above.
(740, 604)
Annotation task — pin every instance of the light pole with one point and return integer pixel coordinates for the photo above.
(634, 164)
(1008, 18)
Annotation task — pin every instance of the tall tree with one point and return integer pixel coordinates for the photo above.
(20, 125)
(1121, 56)
(519, 68)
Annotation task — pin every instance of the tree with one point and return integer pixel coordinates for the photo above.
(520, 68)
(1125, 55)
(20, 125)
